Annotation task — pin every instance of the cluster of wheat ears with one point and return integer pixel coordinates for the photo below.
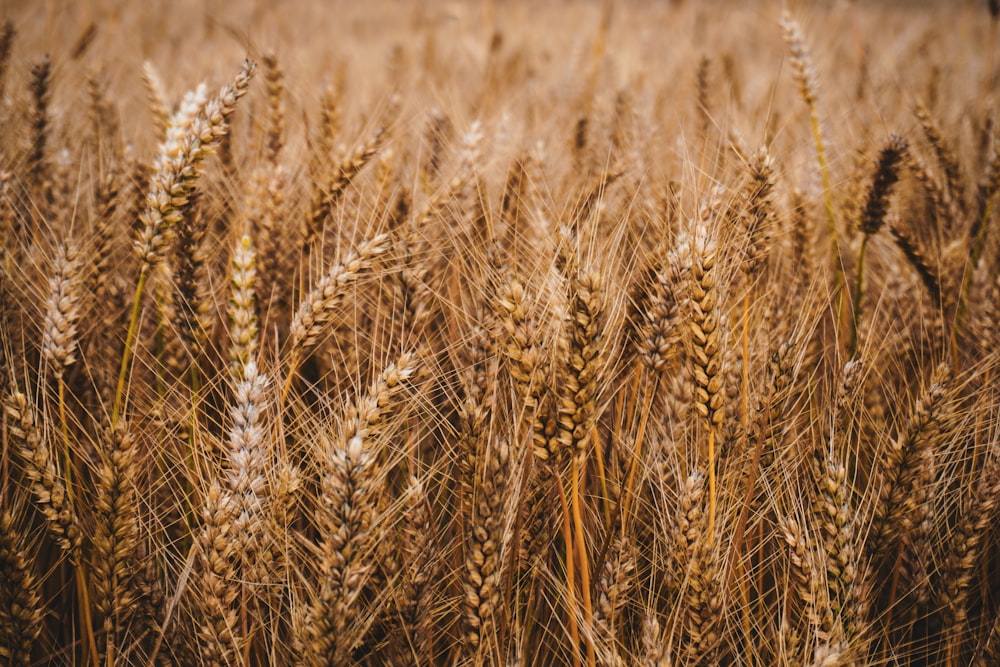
(502, 334)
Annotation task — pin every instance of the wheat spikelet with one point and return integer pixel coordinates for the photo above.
(758, 220)
(525, 357)
(580, 378)
(330, 123)
(246, 480)
(421, 566)
(48, 487)
(274, 266)
(806, 586)
(805, 76)
(21, 613)
(275, 106)
(703, 325)
(614, 588)
(655, 652)
(920, 263)
(701, 588)
(477, 373)
(218, 635)
(833, 512)
(904, 473)
(890, 162)
(157, 98)
(38, 169)
(62, 311)
(192, 134)
(658, 324)
(190, 276)
(104, 117)
(318, 308)
(326, 195)
(103, 244)
(116, 540)
(944, 154)
(489, 525)
(349, 490)
(242, 309)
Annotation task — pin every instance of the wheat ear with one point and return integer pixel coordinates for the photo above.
(192, 135)
(319, 307)
(805, 76)
(350, 485)
(116, 539)
(243, 328)
(890, 162)
(706, 349)
(21, 611)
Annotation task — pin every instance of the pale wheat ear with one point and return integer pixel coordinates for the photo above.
(62, 311)
(47, 483)
(804, 71)
(192, 135)
(157, 98)
(243, 326)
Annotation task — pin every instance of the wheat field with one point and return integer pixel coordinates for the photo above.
(499, 333)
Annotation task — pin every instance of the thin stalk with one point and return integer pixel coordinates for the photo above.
(88, 623)
(631, 404)
(831, 217)
(581, 551)
(637, 450)
(133, 329)
(193, 459)
(574, 631)
(745, 379)
(603, 481)
(893, 589)
(751, 485)
(711, 483)
(64, 430)
(292, 366)
(951, 652)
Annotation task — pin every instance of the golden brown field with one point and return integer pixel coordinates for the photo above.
(502, 333)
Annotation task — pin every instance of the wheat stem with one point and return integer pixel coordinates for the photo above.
(577, 469)
(637, 451)
(574, 631)
(130, 336)
(711, 485)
